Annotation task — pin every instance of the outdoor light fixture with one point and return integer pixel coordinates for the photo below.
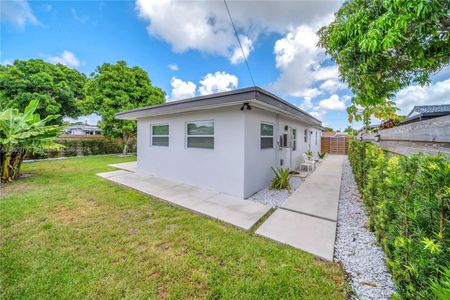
(246, 105)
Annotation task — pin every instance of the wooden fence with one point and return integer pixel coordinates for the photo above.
(430, 136)
(334, 144)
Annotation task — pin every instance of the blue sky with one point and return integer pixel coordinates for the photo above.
(189, 48)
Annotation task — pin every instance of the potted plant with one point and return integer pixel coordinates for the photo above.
(309, 154)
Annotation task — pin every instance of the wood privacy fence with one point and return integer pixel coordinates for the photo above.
(430, 136)
(334, 144)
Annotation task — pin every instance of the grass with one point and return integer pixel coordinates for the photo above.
(68, 234)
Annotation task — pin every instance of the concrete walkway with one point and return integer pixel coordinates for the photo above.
(307, 219)
(239, 212)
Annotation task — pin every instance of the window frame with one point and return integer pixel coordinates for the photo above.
(266, 136)
(316, 136)
(306, 132)
(187, 135)
(163, 135)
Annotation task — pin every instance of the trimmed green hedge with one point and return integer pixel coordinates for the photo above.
(407, 198)
(76, 147)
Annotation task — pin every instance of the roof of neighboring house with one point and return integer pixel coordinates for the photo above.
(328, 133)
(420, 111)
(332, 133)
(82, 127)
(255, 96)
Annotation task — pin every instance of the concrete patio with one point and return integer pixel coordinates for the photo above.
(241, 213)
(307, 219)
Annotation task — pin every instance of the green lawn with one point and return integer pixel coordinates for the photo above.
(66, 233)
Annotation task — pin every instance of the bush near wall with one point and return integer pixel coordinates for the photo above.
(82, 146)
(407, 198)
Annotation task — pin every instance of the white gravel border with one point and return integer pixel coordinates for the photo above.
(355, 245)
(275, 198)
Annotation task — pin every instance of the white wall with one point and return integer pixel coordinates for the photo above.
(220, 169)
(237, 165)
(258, 162)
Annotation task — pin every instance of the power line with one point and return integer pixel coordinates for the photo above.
(239, 41)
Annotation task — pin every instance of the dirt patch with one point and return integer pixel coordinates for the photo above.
(71, 215)
(13, 188)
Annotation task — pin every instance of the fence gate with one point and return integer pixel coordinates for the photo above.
(334, 144)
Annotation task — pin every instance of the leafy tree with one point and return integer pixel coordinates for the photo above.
(351, 131)
(57, 88)
(21, 133)
(328, 129)
(382, 46)
(114, 88)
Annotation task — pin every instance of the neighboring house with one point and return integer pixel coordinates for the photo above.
(333, 133)
(424, 112)
(227, 142)
(83, 129)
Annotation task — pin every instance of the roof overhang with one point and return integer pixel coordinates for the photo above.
(257, 97)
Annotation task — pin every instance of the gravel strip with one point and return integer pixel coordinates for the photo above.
(356, 247)
(275, 198)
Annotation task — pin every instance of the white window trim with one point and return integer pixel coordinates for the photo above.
(267, 136)
(203, 135)
(151, 134)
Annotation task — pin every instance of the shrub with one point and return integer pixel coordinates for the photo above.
(407, 198)
(321, 154)
(281, 179)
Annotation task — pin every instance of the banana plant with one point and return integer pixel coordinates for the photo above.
(21, 133)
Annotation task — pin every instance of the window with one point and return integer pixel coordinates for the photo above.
(294, 139)
(160, 135)
(316, 137)
(266, 134)
(200, 134)
(306, 135)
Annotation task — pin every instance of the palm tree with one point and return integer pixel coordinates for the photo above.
(21, 133)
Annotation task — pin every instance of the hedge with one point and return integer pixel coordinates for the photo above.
(78, 147)
(407, 199)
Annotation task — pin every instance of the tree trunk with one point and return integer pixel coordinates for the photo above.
(126, 140)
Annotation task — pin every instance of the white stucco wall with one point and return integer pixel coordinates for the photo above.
(220, 169)
(258, 162)
(237, 165)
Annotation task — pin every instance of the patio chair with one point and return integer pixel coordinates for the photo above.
(310, 164)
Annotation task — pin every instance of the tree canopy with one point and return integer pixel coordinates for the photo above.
(113, 88)
(57, 88)
(382, 46)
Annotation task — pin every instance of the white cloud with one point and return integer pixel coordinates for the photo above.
(307, 104)
(66, 58)
(217, 82)
(247, 47)
(207, 26)
(173, 67)
(299, 61)
(181, 89)
(6, 62)
(437, 93)
(333, 103)
(17, 12)
(332, 85)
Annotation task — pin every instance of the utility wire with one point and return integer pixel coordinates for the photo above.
(239, 41)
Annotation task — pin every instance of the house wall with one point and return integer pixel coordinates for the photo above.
(258, 162)
(220, 169)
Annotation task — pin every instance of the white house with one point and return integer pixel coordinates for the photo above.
(227, 142)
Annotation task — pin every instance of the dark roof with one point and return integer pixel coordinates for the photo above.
(426, 111)
(444, 108)
(254, 95)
